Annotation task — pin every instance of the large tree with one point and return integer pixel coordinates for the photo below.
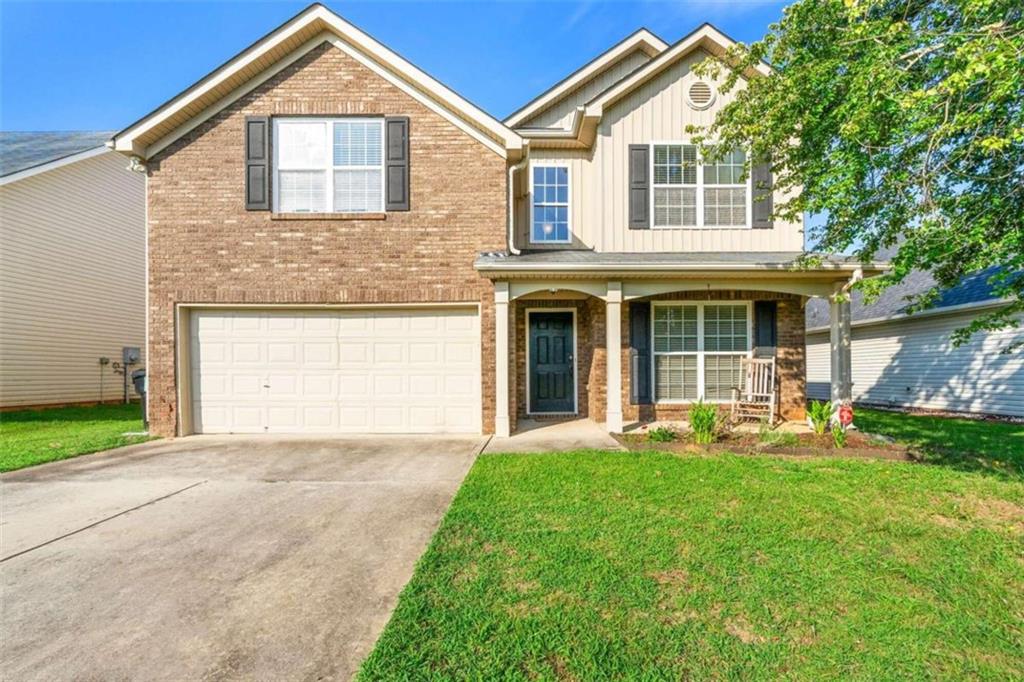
(902, 123)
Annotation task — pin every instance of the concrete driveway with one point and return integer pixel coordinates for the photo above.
(216, 557)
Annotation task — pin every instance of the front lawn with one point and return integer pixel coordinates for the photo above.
(592, 566)
(35, 436)
(967, 444)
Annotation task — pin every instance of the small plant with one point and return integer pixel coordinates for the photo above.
(839, 435)
(820, 415)
(662, 434)
(704, 421)
(772, 438)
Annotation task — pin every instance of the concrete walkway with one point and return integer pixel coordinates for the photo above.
(555, 436)
(216, 557)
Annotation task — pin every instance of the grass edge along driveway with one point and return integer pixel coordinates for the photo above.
(30, 437)
(593, 565)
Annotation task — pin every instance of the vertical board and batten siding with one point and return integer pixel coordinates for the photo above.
(560, 113)
(655, 112)
(72, 280)
(912, 363)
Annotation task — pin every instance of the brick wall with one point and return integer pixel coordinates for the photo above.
(789, 354)
(204, 247)
(790, 360)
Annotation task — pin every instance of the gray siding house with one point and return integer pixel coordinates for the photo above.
(908, 360)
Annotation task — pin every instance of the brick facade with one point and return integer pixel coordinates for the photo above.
(204, 247)
(592, 367)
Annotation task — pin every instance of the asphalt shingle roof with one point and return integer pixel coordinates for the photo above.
(893, 301)
(21, 151)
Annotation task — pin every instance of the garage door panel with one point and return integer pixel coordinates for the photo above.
(384, 371)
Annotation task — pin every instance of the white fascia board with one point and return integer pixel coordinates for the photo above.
(930, 312)
(565, 268)
(53, 165)
(595, 107)
(638, 40)
(349, 34)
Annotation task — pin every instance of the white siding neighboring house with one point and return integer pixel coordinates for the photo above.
(72, 267)
(902, 360)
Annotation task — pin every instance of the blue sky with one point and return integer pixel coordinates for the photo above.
(100, 66)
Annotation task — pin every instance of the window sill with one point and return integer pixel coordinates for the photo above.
(328, 216)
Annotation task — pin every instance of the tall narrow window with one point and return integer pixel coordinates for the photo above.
(697, 350)
(692, 194)
(550, 209)
(328, 165)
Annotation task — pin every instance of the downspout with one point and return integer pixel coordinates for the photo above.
(512, 202)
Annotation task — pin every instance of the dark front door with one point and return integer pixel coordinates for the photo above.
(552, 378)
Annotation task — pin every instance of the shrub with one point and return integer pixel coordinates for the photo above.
(839, 435)
(704, 422)
(820, 415)
(771, 438)
(662, 434)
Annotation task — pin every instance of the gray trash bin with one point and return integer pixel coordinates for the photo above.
(139, 380)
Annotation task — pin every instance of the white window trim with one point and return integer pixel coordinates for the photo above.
(700, 352)
(699, 187)
(330, 167)
(553, 163)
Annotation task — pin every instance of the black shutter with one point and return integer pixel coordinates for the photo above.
(396, 163)
(765, 329)
(640, 353)
(761, 180)
(639, 187)
(257, 163)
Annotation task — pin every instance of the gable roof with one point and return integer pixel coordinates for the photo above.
(21, 152)
(641, 39)
(705, 37)
(284, 45)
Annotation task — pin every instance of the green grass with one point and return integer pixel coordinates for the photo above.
(649, 566)
(32, 437)
(966, 444)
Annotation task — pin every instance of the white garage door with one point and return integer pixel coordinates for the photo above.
(353, 371)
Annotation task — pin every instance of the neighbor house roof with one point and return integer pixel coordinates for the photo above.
(283, 46)
(26, 151)
(972, 290)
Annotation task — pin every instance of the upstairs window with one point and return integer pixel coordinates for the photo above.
(328, 165)
(549, 189)
(688, 193)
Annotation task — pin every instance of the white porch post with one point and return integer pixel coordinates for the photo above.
(502, 427)
(613, 335)
(842, 374)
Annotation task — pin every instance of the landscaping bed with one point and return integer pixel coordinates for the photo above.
(793, 444)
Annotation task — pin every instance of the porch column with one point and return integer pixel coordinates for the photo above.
(842, 374)
(502, 427)
(613, 336)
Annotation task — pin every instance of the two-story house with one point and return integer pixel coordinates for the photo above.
(339, 243)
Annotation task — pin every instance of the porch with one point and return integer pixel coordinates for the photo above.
(639, 347)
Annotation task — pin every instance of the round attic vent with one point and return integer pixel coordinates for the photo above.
(700, 95)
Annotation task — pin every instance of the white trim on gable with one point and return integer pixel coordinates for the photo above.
(705, 36)
(641, 39)
(133, 139)
(52, 165)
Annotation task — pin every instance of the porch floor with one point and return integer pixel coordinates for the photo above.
(554, 436)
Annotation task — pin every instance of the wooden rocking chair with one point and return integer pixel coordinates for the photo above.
(756, 398)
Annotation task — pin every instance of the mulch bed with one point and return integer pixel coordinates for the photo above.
(808, 445)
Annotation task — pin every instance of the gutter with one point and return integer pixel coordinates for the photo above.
(669, 267)
(512, 202)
